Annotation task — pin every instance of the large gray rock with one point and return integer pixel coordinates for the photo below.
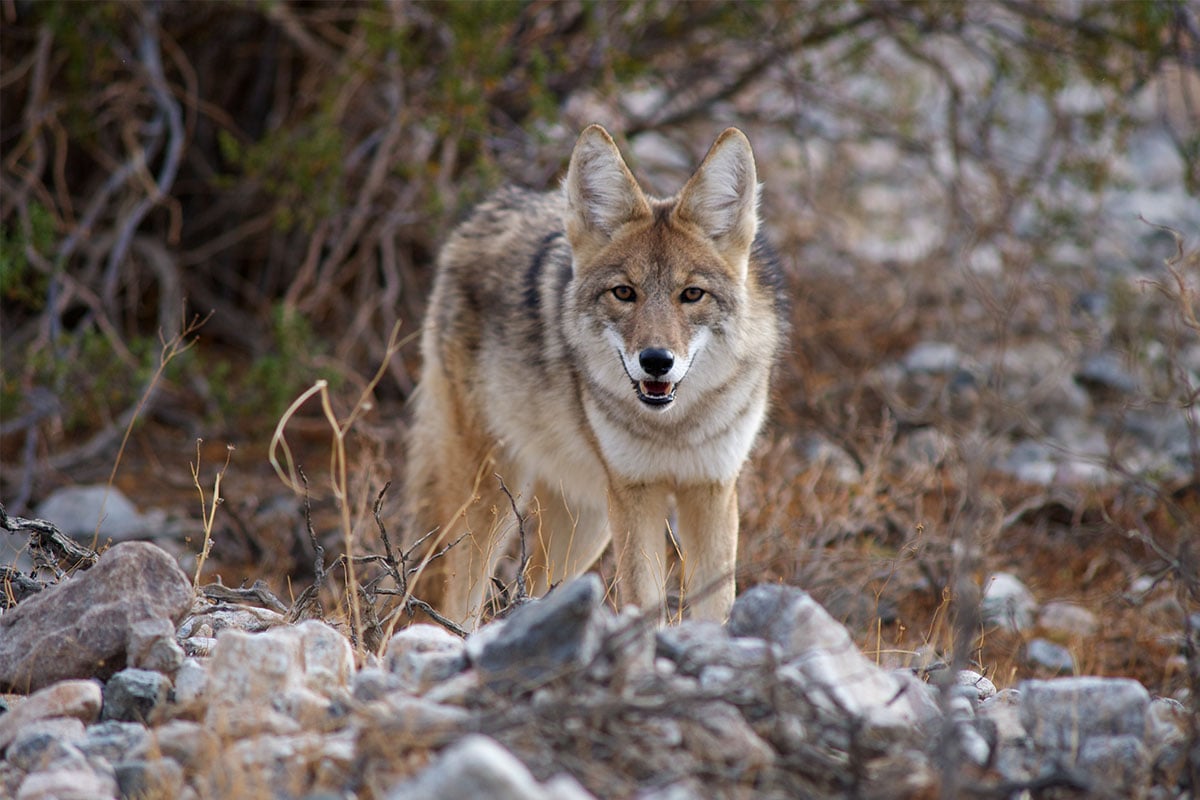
(83, 627)
(822, 661)
(1058, 714)
(542, 640)
(1096, 726)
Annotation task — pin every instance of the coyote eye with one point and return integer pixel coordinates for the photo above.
(625, 294)
(691, 294)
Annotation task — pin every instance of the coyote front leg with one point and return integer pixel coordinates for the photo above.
(708, 536)
(637, 518)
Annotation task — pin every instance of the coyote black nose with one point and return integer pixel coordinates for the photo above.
(656, 361)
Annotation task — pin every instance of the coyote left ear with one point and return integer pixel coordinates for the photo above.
(602, 194)
(721, 197)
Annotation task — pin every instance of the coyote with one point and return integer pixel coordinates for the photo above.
(607, 354)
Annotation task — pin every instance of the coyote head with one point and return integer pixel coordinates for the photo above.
(660, 284)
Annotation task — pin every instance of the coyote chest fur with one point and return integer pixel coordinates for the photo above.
(608, 355)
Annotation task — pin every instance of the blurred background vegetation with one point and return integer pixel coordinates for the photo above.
(290, 168)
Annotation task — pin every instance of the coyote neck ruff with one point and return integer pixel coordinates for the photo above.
(608, 355)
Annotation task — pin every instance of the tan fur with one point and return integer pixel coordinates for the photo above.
(537, 367)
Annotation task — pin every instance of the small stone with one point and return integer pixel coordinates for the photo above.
(1049, 657)
(403, 721)
(544, 639)
(67, 784)
(162, 777)
(328, 656)
(132, 695)
(113, 741)
(981, 687)
(189, 743)
(78, 699)
(278, 681)
(1118, 763)
(45, 741)
(1007, 603)
(191, 682)
(152, 646)
(933, 357)
(373, 683)
(474, 767)
(82, 627)
(694, 644)
(1068, 619)
(1105, 375)
(423, 655)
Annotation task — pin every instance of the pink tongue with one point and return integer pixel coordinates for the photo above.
(657, 387)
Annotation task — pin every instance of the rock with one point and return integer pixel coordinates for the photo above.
(298, 765)
(76, 510)
(207, 621)
(933, 357)
(401, 720)
(422, 655)
(46, 741)
(980, 687)
(1058, 714)
(67, 784)
(1095, 726)
(114, 741)
(716, 733)
(374, 683)
(1007, 603)
(1105, 376)
(83, 627)
(152, 646)
(543, 639)
(1031, 462)
(188, 743)
(822, 662)
(162, 777)
(78, 699)
(478, 766)
(693, 645)
(1048, 657)
(1067, 619)
(132, 695)
(278, 681)
(191, 682)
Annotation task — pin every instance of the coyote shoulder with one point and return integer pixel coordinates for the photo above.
(608, 354)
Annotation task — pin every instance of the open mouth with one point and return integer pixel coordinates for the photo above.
(655, 393)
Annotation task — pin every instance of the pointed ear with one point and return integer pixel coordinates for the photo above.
(721, 198)
(601, 192)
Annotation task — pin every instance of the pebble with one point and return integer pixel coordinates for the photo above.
(1007, 603)
(1067, 619)
(1047, 657)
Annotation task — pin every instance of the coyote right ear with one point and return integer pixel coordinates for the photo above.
(601, 192)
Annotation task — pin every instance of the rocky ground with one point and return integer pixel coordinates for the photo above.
(130, 688)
